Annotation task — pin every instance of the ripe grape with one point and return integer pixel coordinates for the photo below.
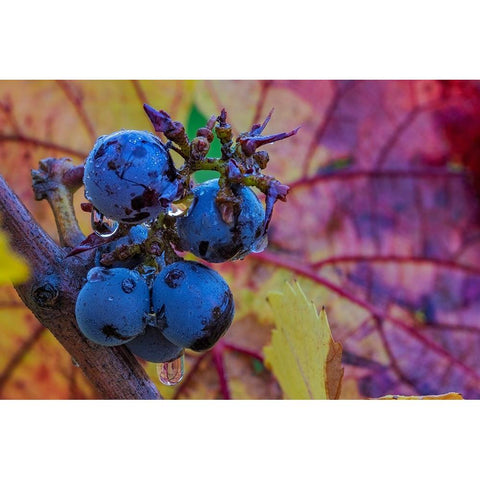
(193, 304)
(205, 233)
(154, 347)
(129, 176)
(111, 307)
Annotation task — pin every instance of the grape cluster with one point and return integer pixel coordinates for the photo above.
(140, 291)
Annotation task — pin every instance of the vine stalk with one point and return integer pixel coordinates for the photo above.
(50, 294)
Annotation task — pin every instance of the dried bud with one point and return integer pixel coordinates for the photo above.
(206, 133)
(261, 158)
(199, 147)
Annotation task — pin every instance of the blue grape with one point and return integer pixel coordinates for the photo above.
(136, 236)
(204, 232)
(193, 304)
(154, 347)
(112, 306)
(129, 176)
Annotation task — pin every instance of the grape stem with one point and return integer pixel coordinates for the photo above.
(56, 181)
(53, 286)
(240, 162)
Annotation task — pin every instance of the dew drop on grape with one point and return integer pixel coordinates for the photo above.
(104, 227)
(97, 274)
(128, 285)
(260, 244)
(171, 373)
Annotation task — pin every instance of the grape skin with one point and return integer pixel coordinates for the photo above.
(193, 304)
(154, 347)
(112, 305)
(129, 176)
(204, 232)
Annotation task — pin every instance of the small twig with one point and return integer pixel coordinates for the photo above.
(56, 181)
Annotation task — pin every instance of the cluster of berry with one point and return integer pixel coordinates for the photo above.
(145, 211)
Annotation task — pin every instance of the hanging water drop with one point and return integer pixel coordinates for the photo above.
(171, 373)
(104, 227)
(260, 244)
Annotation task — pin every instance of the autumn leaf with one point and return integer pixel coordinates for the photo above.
(381, 223)
(13, 268)
(445, 396)
(302, 354)
(382, 218)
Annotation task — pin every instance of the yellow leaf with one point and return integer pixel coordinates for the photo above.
(302, 354)
(445, 396)
(13, 268)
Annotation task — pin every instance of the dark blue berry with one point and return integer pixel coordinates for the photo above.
(193, 304)
(205, 233)
(154, 347)
(112, 306)
(129, 176)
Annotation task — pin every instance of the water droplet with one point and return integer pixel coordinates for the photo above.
(110, 299)
(260, 244)
(104, 227)
(128, 285)
(171, 373)
(97, 274)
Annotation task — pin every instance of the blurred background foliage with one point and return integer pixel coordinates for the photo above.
(381, 226)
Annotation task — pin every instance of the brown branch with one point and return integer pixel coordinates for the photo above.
(50, 294)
